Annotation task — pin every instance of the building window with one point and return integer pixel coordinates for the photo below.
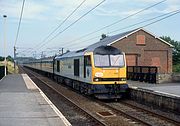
(140, 40)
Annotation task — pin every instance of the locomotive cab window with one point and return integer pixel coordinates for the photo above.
(109, 60)
(108, 56)
(117, 60)
(87, 60)
(101, 60)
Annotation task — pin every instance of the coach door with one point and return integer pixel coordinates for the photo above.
(87, 67)
(58, 66)
(76, 67)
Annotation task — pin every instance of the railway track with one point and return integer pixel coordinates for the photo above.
(124, 113)
(144, 116)
(155, 114)
(123, 110)
(91, 118)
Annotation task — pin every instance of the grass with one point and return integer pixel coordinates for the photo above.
(10, 66)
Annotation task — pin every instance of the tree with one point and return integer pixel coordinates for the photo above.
(176, 49)
(8, 58)
(1, 58)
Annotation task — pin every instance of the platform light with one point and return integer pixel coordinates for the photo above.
(4, 16)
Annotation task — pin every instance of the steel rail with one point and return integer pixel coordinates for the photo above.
(125, 114)
(176, 122)
(99, 122)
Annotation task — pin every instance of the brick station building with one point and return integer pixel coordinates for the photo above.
(143, 48)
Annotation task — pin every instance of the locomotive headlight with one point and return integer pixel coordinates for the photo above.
(123, 79)
(96, 79)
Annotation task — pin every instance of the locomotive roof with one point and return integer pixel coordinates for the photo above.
(107, 41)
(47, 59)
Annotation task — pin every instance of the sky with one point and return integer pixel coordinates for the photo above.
(41, 17)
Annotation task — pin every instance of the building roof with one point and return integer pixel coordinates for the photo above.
(109, 40)
(103, 42)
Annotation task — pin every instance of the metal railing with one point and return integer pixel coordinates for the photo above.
(142, 73)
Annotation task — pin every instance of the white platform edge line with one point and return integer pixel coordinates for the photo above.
(167, 93)
(134, 87)
(66, 122)
(170, 94)
(2, 78)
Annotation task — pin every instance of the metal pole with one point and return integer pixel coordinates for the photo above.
(62, 50)
(4, 44)
(14, 59)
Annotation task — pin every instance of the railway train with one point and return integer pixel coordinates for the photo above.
(99, 71)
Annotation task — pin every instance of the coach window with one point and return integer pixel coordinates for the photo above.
(58, 66)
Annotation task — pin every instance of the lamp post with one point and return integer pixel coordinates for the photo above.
(4, 16)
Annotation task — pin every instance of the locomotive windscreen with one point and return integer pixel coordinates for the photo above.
(108, 56)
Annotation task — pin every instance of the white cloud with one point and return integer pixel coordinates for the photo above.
(65, 7)
(32, 10)
(165, 7)
(59, 9)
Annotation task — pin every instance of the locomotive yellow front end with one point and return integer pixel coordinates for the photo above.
(109, 75)
(109, 72)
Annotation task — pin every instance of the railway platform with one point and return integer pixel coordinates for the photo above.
(171, 89)
(22, 103)
(165, 96)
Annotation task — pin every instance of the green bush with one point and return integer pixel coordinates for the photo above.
(176, 68)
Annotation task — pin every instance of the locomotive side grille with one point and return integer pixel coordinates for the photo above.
(109, 79)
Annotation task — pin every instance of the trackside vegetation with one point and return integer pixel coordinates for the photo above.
(176, 53)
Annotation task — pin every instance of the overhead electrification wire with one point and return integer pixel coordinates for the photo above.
(164, 16)
(150, 19)
(111, 23)
(64, 20)
(161, 19)
(61, 23)
(19, 23)
(116, 21)
(73, 23)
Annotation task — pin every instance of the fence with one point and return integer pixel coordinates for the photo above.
(142, 73)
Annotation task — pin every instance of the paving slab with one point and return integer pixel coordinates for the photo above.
(22, 103)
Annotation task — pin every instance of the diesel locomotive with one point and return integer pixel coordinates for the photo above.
(99, 71)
